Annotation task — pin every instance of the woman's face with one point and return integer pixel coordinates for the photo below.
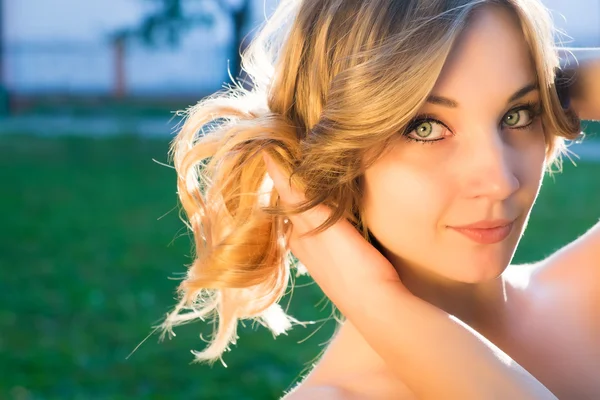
(476, 155)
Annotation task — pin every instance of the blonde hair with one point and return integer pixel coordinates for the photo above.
(334, 81)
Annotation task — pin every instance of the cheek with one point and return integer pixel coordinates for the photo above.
(531, 159)
(397, 196)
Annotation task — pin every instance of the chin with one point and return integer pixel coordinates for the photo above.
(482, 275)
(483, 269)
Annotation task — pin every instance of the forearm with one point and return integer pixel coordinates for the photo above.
(436, 355)
(583, 74)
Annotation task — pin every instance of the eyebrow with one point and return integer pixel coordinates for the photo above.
(446, 102)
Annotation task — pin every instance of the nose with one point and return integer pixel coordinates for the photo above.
(491, 169)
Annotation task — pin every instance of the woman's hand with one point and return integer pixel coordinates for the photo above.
(349, 258)
(434, 354)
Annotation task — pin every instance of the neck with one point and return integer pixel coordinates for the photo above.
(477, 304)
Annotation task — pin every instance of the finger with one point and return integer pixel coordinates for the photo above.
(291, 195)
(282, 183)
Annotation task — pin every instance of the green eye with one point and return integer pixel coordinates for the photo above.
(424, 129)
(519, 117)
(513, 117)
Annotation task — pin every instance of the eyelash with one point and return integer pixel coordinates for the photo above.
(534, 108)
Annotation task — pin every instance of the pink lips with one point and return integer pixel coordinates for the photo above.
(486, 232)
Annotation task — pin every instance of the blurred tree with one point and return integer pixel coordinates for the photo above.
(172, 19)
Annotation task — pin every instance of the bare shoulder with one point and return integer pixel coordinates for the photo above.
(381, 385)
(555, 325)
(321, 392)
(571, 274)
(560, 291)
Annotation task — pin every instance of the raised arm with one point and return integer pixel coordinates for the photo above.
(585, 88)
(416, 339)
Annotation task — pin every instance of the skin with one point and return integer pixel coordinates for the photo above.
(587, 99)
(482, 169)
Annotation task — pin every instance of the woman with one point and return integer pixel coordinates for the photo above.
(418, 133)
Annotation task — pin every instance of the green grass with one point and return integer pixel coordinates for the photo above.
(85, 262)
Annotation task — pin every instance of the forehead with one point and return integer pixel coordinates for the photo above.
(490, 59)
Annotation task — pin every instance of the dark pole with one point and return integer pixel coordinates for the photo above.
(119, 67)
(4, 96)
(240, 19)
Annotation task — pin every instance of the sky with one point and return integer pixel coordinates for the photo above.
(63, 44)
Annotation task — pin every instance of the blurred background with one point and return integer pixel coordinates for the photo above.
(90, 237)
